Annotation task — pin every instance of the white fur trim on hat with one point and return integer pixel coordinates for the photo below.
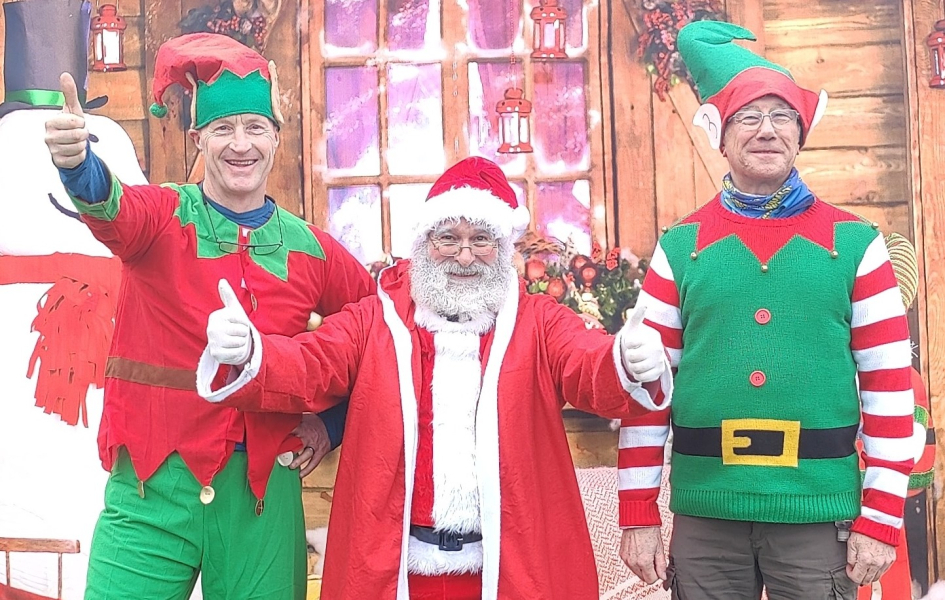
(474, 205)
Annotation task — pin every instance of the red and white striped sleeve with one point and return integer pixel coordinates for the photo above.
(640, 449)
(883, 355)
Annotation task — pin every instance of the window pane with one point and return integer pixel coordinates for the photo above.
(564, 211)
(414, 120)
(413, 24)
(351, 25)
(405, 201)
(559, 117)
(351, 121)
(494, 24)
(487, 85)
(354, 219)
(574, 25)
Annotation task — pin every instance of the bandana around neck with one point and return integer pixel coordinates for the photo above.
(791, 199)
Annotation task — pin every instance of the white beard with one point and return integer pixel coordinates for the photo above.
(433, 288)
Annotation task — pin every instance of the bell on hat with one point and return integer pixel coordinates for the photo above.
(477, 190)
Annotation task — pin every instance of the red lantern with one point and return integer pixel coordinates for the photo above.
(548, 37)
(515, 112)
(936, 43)
(108, 37)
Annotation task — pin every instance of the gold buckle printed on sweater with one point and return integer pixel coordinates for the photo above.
(760, 442)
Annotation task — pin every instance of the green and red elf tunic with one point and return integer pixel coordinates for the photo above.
(174, 249)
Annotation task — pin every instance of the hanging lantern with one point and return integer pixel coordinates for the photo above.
(936, 43)
(108, 37)
(548, 37)
(514, 123)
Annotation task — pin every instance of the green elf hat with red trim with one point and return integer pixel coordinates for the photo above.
(225, 77)
(729, 77)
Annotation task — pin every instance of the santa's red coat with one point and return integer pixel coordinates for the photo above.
(535, 538)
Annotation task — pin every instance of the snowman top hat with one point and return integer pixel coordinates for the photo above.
(48, 38)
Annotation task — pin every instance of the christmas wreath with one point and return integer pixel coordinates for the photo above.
(662, 21)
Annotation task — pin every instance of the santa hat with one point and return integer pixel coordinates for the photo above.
(225, 77)
(729, 77)
(477, 190)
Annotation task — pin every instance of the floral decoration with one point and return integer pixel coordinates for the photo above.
(662, 21)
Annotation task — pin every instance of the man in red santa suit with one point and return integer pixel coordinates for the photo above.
(456, 480)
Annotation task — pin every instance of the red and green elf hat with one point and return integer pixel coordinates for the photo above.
(226, 78)
(729, 77)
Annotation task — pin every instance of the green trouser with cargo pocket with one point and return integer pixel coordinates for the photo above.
(153, 547)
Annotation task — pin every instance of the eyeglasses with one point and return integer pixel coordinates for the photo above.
(450, 248)
(236, 247)
(752, 119)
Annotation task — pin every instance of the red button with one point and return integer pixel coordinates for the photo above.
(757, 378)
(762, 316)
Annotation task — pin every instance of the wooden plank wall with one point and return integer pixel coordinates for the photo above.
(926, 112)
(856, 157)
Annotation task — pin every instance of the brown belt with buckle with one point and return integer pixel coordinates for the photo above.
(447, 541)
(764, 442)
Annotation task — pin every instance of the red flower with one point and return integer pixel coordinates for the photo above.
(534, 269)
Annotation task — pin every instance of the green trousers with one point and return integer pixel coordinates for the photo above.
(153, 547)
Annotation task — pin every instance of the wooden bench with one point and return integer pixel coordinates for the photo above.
(23, 545)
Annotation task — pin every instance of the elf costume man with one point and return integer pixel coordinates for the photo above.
(456, 481)
(771, 304)
(197, 488)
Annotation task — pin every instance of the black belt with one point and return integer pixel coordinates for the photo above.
(446, 540)
(764, 442)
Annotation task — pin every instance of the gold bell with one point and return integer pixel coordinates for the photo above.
(694, 255)
(314, 321)
(764, 268)
(207, 494)
(874, 225)
(260, 507)
(141, 489)
(834, 254)
(664, 228)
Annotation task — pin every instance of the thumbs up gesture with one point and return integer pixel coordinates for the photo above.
(66, 135)
(229, 332)
(641, 348)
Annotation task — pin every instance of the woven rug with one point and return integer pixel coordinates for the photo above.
(599, 492)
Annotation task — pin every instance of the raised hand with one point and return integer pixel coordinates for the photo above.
(641, 348)
(66, 134)
(229, 332)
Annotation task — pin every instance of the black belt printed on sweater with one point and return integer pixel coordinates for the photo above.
(764, 442)
(447, 541)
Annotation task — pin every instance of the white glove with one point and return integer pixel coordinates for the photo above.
(66, 134)
(641, 348)
(229, 332)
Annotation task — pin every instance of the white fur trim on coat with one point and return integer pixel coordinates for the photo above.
(474, 205)
(403, 349)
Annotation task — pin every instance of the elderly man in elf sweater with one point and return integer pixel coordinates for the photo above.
(456, 481)
(771, 304)
(197, 488)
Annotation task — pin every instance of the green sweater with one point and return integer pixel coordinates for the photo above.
(767, 360)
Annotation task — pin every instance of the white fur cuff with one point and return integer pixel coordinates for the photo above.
(208, 366)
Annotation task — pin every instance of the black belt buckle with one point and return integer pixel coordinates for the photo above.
(451, 541)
